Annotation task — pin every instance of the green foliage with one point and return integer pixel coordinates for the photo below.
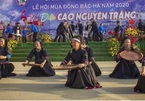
(45, 37)
(113, 45)
(12, 44)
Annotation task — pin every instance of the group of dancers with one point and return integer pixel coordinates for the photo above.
(87, 71)
(90, 31)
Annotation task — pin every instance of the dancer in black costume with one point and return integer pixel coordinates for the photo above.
(61, 33)
(71, 30)
(140, 86)
(83, 76)
(79, 27)
(96, 34)
(125, 69)
(117, 30)
(6, 68)
(91, 58)
(41, 57)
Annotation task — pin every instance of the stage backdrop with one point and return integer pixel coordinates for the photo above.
(47, 14)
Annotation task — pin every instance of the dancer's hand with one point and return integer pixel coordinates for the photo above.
(143, 71)
(118, 56)
(81, 65)
(3, 57)
(26, 62)
(42, 65)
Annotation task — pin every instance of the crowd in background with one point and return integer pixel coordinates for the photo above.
(19, 32)
(91, 31)
(65, 31)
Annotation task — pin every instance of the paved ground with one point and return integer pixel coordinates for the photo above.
(52, 88)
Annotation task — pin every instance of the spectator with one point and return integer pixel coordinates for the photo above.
(35, 31)
(24, 34)
(102, 31)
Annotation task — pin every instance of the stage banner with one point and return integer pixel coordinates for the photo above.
(47, 14)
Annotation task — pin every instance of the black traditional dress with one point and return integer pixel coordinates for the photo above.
(71, 30)
(6, 68)
(80, 77)
(96, 34)
(39, 58)
(79, 27)
(93, 62)
(140, 86)
(125, 69)
(61, 35)
(117, 31)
